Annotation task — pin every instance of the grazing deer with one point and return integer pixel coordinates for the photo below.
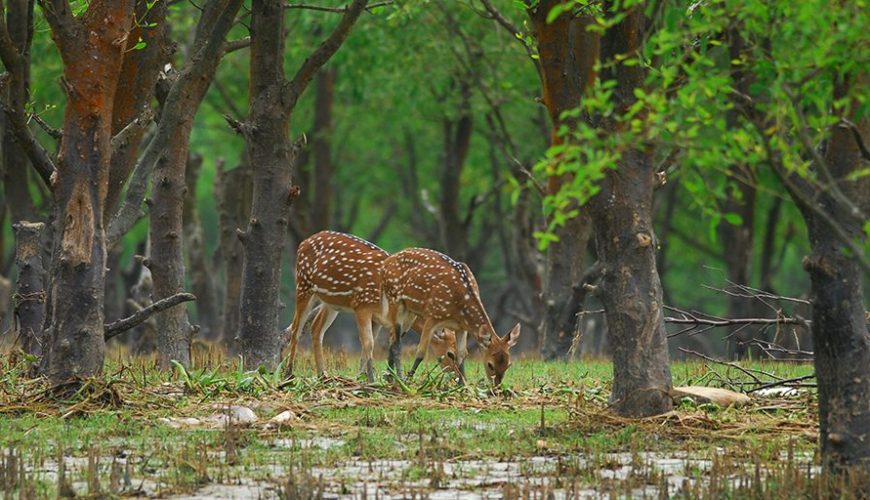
(341, 271)
(428, 286)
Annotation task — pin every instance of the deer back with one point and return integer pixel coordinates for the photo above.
(432, 285)
(341, 269)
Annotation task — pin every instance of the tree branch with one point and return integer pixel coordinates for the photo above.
(334, 10)
(40, 158)
(59, 15)
(324, 52)
(856, 134)
(122, 138)
(8, 53)
(122, 325)
(130, 210)
(234, 45)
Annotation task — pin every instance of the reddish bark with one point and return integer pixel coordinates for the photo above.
(139, 74)
(92, 48)
(568, 53)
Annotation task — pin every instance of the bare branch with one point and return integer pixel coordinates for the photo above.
(234, 45)
(334, 10)
(8, 53)
(122, 325)
(55, 133)
(856, 134)
(40, 158)
(59, 15)
(122, 138)
(324, 52)
(130, 210)
(514, 32)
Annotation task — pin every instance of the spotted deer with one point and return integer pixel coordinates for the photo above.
(424, 285)
(341, 272)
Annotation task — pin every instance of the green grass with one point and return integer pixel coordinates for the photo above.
(556, 410)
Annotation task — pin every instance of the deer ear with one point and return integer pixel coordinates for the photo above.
(514, 335)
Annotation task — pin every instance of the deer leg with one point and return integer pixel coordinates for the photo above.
(376, 332)
(366, 340)
(303, 309)
(423, 346)
(462, 347)
(322, 322)
(394, 358)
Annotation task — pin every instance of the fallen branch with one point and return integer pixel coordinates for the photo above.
(790, 382)
(122, 325)
(751, 372)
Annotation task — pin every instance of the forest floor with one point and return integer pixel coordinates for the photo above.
(206, 433)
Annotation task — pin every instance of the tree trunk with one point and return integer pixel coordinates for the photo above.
(201, 273)
(15, 163)
(92, 60)
(622, 213)
(457, 141)
(29, 297)
(321, 201)
(841, 339)
(139, 74)
(738, 240)
(272, 102)
(567, 59)
(271, 159)
(166, 261)
(233, 191)
(737, 252)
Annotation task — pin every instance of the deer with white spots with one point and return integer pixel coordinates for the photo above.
(341, 272)
(422, 284)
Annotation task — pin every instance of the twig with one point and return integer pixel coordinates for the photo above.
(751, 372)
(786, 382)
(55, 133)
(334, 10)
(122, 325)
(234, 45)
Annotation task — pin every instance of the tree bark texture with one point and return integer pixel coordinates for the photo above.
(166, 261)
(92, 58)
(273, 99)
(841, 338)
(201, 273)
(630, 289)
(139, 75)
(271, 159)
(568, 54)
(233, 191)
(29, 297)
(321, 201)
(457, 141)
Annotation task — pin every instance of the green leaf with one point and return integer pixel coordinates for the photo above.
(733, 219)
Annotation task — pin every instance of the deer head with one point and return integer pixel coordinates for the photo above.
(497, 355)
(443, 347)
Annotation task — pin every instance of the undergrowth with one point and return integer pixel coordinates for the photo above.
(138, 430)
